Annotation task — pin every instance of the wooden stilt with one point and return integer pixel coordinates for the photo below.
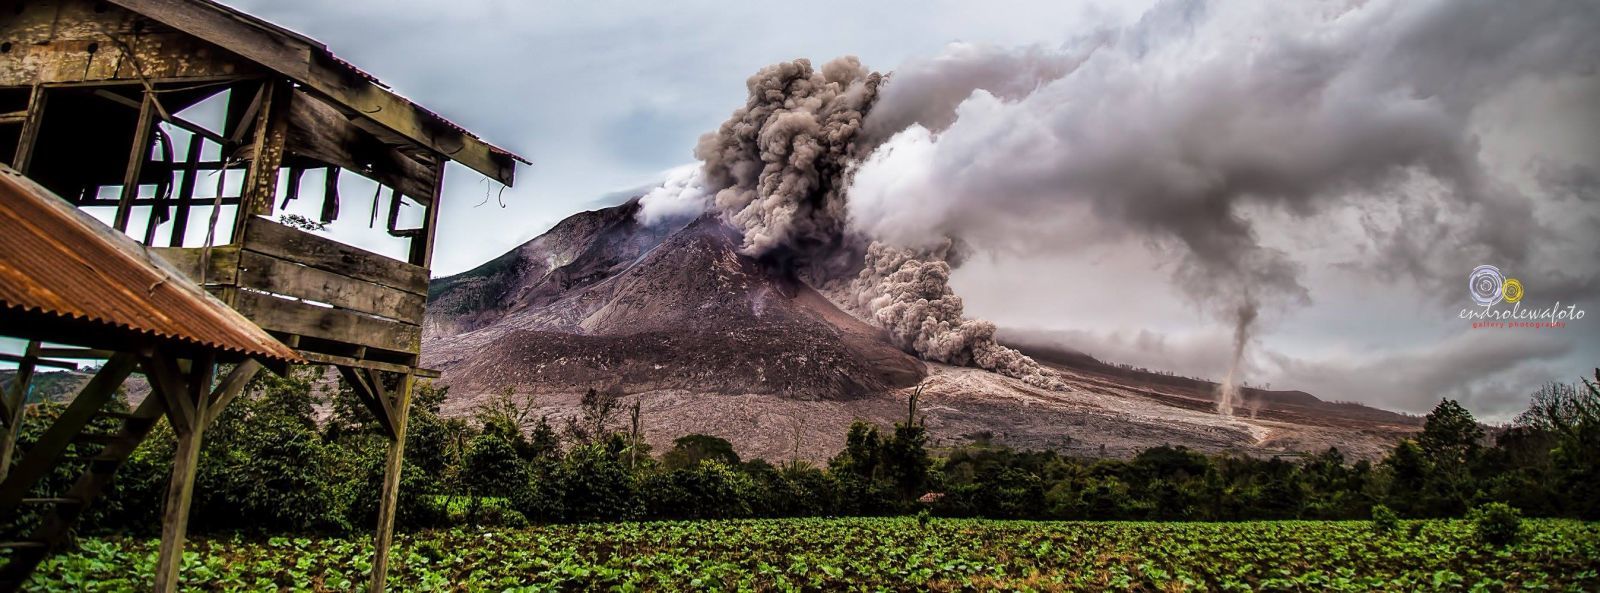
(185, 395)
(391, 480)
(175, 517)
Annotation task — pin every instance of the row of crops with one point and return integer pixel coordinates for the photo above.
(877, 554)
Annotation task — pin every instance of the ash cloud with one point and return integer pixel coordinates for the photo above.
(1177, 128)
(1183, 130)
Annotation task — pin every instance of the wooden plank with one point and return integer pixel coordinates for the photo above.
(30, 130)
(270, 238)
(44, 453)
(312, 65)
(274, 275)
(223, 267)
(174, 120)
(137, 154)
(283, 315)
(422, 246)
(191, 170)
(320, 131)
(36, 361)
(361, 363)
(387, 502)
(265, 154)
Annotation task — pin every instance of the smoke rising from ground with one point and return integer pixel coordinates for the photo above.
(1180, 130)
(1230, 392)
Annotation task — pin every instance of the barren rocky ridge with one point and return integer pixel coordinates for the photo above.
(710, 341)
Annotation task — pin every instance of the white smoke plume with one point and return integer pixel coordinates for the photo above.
(681, 195)
(1230, 392)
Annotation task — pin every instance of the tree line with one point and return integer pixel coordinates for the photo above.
(269, 465)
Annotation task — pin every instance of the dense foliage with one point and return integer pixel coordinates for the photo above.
(876, 554)
(286, 458)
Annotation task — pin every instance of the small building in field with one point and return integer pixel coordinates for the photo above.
(247, 163)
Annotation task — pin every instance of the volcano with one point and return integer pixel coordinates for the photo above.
(712, 341)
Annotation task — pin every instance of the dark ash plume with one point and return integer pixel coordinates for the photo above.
(779, 167)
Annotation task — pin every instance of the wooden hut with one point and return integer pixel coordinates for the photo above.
(92, 102)
(66, 279)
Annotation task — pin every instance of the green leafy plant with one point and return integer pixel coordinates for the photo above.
(1496, 523)
(1384, 521)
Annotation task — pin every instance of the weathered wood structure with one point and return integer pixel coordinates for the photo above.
(68, 281)
(92, 103)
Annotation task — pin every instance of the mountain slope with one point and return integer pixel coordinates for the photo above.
(710, 341)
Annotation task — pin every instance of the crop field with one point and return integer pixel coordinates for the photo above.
(876, 554)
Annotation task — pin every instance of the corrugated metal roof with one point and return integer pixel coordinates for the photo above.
(57, 259)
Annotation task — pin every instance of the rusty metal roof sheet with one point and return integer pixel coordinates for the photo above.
(58, 260)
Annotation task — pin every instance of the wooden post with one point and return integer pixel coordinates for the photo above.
(391, 481)
(137, 155)
(422, 247)
(266, 155)
(186, 399)
(30, 130)
(16, 406)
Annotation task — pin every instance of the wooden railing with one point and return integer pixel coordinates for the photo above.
(293, 282)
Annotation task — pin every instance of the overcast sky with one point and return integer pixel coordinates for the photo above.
(604, 96)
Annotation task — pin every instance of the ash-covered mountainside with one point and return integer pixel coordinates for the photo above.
(710, 341)
(603, 302)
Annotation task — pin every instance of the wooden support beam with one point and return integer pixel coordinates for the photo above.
(422, 247)
(180, 221)
(175, 121)
(57, 526)
(13, 406)
(175, 512)
(186, 390)
(38, 362)
(44, 453)
(257, 195)
(30, 130)
(168, 381)
(230, 388)
(377, 365)
(79, 353)
(137, 155)
(392, 467)
(358, 382)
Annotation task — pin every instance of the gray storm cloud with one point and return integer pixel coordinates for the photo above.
(1179, 130)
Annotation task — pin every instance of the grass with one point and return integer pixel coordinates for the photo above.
(875, 554)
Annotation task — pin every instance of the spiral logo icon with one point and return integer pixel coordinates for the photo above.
(1511, 290)
(1486, 285)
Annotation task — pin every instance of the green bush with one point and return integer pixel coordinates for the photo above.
(1384, 521)
(1496, 523)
